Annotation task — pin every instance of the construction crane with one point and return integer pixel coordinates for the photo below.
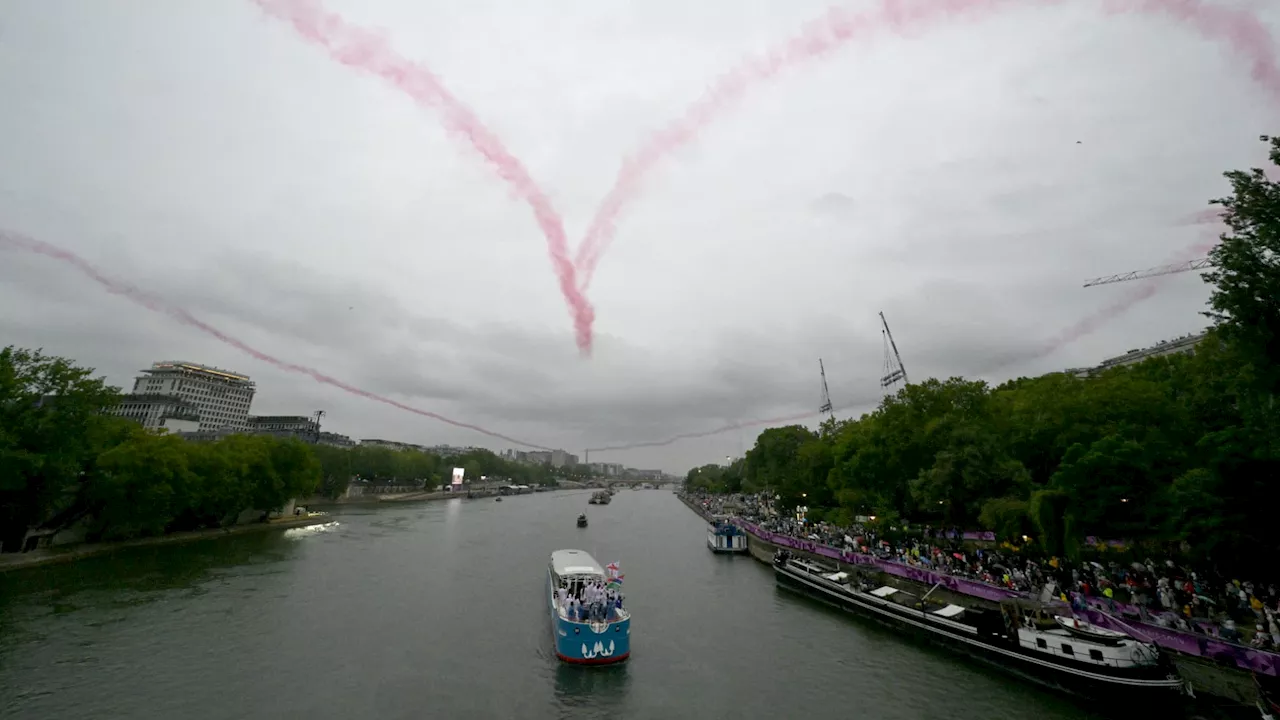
(1181, 267)
(893, 368)
(826, 394)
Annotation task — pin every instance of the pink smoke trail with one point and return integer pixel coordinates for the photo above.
(1239, 28)
(366, 50)
(156, 304)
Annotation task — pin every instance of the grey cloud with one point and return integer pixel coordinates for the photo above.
(321, 215)
(833, 204)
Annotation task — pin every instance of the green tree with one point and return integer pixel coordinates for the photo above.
(141, 487)
(776, 462)
(51, 430)
(1245, 301)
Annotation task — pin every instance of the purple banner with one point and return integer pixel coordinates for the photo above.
(909, 572)
(1184, 642)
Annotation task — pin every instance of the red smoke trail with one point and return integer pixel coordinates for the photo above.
(155, 304)
(366, 50)
(1238, 28)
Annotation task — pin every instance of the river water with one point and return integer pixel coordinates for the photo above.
(437, 610)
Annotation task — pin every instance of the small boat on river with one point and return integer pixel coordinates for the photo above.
(1022, 637)
(586, 630)
(582, 520)
(725, 537)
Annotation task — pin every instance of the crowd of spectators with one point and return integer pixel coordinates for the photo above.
(1164, 593)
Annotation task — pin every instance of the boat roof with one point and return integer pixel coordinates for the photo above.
(574, 562)
(949, 611)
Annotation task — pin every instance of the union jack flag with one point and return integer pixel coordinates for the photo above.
(612, 568)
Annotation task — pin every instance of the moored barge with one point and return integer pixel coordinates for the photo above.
(1023, 637)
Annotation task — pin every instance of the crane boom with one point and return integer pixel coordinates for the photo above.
(1181, 267)
(826, 394)
(893, 367)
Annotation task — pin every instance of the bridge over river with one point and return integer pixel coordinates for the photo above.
(437, 610)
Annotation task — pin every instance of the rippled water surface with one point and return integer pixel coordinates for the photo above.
(436, 611)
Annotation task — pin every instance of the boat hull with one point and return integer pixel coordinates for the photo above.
(580, 643)
(1079, 681)
(725, 538)
(726, 544)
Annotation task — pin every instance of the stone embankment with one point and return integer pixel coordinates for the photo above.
(52, 556)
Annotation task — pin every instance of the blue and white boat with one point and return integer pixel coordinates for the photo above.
(586, 634)
(725, 537)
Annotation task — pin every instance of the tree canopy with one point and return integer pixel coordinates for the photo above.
(382, 465)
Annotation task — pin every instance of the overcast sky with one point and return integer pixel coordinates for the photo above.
(965, 178)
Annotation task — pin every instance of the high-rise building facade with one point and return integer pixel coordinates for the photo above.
(159, 412)
(222, 397)
(302, 427)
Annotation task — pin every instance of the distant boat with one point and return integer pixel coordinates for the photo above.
(725, 537)
(584, 642)
(582, 521)
(600, 498)
(497, 499)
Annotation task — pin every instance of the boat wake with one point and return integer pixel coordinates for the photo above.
(310, 530)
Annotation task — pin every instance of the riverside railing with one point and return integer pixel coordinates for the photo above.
(1260, 661)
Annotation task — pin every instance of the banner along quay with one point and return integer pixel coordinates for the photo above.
(1223, 654)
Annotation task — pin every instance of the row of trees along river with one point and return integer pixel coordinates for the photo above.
(1181, 451)
(62, 462)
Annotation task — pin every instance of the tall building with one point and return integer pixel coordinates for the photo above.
(554, 458)
(336, 440)
(1179, 345)
(221, 397)
(302, 427)
(606, 469)
(391, 444)
(159, 412)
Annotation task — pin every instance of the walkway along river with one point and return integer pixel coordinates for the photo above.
(437, 610)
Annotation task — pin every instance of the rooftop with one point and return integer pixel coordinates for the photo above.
(182, 365)
(575, 562)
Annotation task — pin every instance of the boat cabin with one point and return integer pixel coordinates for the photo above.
(572, 569)
(724, 536)
(1042, 630)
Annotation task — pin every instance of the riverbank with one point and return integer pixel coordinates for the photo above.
(1206, 676)
(53, 556)
(416, 496)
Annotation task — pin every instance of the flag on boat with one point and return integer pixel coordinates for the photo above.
(612, 568)
(615, 581)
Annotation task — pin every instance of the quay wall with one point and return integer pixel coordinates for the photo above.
(1222, 674)
(53, 556)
